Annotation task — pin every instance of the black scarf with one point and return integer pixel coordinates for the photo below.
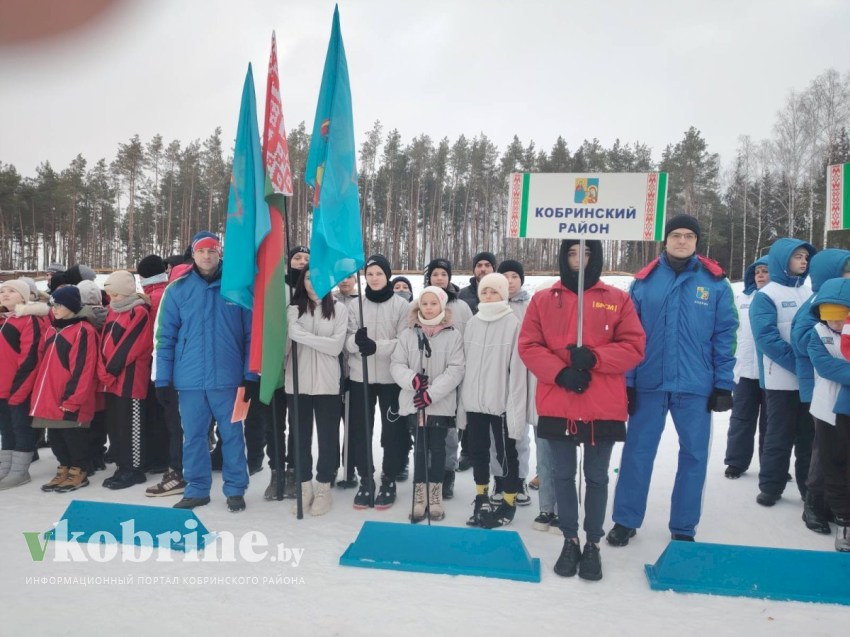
(676, 264)
(380, 296)
(292, 277)
(63, 323)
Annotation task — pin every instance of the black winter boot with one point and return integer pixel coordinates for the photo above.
(813, 516)
(590, 567)
(448, 485)
(620, 535)
(567, 563)
(482, 506)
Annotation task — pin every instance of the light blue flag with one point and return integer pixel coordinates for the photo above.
(247, 211)
(336, 243)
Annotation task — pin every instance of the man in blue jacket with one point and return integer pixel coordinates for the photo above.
(789, 424)
(202, 345)
(687, 310)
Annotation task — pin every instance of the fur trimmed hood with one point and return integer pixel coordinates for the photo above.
(413, 315)
(35, 308)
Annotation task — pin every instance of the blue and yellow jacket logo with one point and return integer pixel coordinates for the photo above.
(703, 293)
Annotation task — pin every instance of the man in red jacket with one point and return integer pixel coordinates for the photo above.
(581, 391)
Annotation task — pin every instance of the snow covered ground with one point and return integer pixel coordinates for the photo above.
(319, 597)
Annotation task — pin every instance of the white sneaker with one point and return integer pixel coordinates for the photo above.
(322, 499)
(306, 497)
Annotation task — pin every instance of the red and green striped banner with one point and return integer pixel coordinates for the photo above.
(838, 196)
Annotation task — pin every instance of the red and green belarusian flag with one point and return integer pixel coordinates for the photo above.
(838, 196)
(269, 322)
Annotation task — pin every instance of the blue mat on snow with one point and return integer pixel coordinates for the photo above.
(442, 549)
(751, 571)
(88, 518)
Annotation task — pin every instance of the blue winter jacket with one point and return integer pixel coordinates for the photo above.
(825, 265)
(202, 340)
(691, 326)
(763, 316)
(835, 369)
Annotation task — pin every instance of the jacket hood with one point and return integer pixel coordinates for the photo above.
(835, 291)
(35, 308)
(750, 275)
(592, 272)
(520, 297)
(827, 264)
(778, 257)
(413, 315)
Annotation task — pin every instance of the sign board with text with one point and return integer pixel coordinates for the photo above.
(621, 206)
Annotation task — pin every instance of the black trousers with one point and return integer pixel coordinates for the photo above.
(789, 426)
(749, 410)
(478, 427)
(16, 432)
(835, 462)
(97, 437)
(434, 452)
(395, 435)
(171, 418)
(124, 418)
(157, 438)
(279, 401)
(71, 447)
(326, 411)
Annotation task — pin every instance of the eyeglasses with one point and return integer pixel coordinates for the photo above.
(678, 236)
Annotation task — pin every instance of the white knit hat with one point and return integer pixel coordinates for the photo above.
(18, 286)
(495, 281)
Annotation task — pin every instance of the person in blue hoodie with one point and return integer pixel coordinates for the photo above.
(202, 345)
(831, 399)
(789, 425)
(687, 309)
(825, 265)
(748, 403)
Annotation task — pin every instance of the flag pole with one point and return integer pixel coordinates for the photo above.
(296, 454)
(369, 425)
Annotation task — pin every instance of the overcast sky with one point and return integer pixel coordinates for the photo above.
(638, 70)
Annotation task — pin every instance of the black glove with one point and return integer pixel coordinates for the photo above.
(252, 390)
(421, 400)
(420, 382)
(164, 396)
(365, 344)
(581, 357)
(70, 416)
(573, 379)
(720, 400)
(631, 394)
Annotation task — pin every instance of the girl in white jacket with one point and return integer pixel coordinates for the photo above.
(428, 365)
(318, 327)
(494, 398)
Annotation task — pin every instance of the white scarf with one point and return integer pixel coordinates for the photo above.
(493, 311)
(434, 321)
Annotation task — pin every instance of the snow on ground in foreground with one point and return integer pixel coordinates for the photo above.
(327, 599)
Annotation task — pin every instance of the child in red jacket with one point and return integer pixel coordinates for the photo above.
(21, 326)
(123, 370)
(63, 398)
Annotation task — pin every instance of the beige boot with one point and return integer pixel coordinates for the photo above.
(59, 478)
(420, 495)
(322, 499)
(77, 479)
(20, 473)
(306, 497)
(436, 501)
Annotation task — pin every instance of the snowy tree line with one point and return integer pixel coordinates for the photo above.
(426, 198)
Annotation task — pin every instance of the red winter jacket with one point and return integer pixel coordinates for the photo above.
(155, 292)
(20, 337)
(126, 346)
(612, 330)
(67, 372)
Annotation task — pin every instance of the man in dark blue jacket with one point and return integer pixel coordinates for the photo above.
(202, 345)
(687, 310)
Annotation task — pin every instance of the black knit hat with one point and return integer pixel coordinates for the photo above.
(509, 265)
(150, 266)
(405, 280)
(382, 262)
(682, 221)
(437, 264)
(295, 251)
(68, 296)
(484, 256)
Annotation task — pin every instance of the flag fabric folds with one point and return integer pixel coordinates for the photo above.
(268, 334)
(247, 211)
(336, 242)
